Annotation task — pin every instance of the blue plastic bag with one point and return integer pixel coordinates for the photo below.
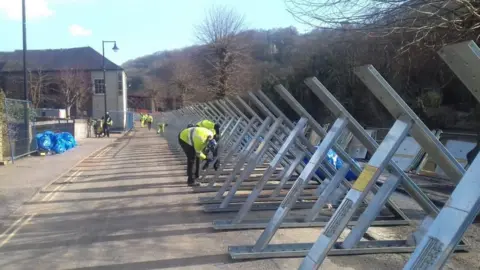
(59, 146)
(69, 140)
(333, 159)
(44, 142)
(52, 137)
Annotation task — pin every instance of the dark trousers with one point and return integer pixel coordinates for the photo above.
(106, 130)
(191, 158)
(149, 124)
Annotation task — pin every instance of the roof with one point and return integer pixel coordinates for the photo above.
(84, 58)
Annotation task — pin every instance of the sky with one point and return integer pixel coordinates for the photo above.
(139, 27)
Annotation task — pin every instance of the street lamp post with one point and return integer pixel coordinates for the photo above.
(115, 49)
(24, 33)
(26, 115)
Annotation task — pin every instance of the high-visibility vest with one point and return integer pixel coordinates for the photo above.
(149, 119)
(197, 137)
(207, 124)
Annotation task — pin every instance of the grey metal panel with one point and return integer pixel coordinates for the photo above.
(459, 149)
(356, 149)
(406, 154)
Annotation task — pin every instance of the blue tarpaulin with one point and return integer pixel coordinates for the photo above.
(56, 142)
(44, 142)
(333, 159)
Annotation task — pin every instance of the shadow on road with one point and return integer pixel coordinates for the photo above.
(120, 177)
(65, 239)
(123, 188)
(107, 198)
(164, 264)
(124, 166)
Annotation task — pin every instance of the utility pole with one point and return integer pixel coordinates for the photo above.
(26, 116)
(24, 30)
(115, 49)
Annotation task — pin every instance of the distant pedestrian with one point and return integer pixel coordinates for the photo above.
(149, 121)
(107, 125)
(161, 128)
(142, 120)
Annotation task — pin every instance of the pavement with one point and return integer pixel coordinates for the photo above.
(128, 207)
(21, 180)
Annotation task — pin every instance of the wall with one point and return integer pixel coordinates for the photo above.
(81, 129)
(55, 126)
(116, 99)
(78, 128)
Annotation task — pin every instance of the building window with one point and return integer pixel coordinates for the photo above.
(99, 86)
(120, 81)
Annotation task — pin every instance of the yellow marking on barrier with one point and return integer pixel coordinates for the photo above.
(10, 236)
(260, 146)
(364, 178)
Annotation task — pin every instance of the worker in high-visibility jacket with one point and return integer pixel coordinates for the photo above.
(142, 120)
(215, 128)
(196, 142)
(149, 120)
(161, 128)
(107, 125)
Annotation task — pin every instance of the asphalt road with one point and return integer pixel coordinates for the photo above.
(128, 207)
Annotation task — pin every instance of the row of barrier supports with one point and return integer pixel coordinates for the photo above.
(262, 140)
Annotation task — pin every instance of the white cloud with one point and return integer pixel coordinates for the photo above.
(77, 30)
(35, 9)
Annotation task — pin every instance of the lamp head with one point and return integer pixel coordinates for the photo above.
(115, 48)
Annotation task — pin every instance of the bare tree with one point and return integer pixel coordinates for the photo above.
(38, 82)
(74, 86)
(186, 79)
(155, 88)
(220, 31)
(424, 23)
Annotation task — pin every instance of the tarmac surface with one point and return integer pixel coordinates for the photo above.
(128, 207)
(20, 181)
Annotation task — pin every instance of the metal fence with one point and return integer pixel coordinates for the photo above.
(20, 129)
(130, 121)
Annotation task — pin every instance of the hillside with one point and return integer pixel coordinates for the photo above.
(264, 58)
